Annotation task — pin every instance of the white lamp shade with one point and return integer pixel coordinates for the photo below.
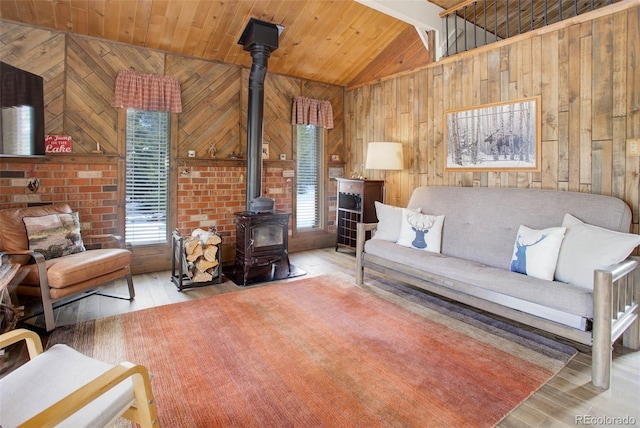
(384, 156)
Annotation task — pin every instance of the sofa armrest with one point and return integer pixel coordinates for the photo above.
(616, 311)
(361, 237)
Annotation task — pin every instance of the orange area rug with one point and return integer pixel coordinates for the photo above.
(318, 352)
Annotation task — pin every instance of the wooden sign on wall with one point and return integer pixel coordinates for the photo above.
(57, 144)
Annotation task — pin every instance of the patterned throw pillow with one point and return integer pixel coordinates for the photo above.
(421, 231)
(54, 235)
(535, 252)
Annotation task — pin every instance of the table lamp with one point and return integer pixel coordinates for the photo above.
(384, 156)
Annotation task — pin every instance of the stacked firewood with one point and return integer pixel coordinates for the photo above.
(201, 252)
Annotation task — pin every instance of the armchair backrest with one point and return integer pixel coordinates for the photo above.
(13, 234)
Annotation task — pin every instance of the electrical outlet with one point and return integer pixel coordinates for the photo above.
(633, 147)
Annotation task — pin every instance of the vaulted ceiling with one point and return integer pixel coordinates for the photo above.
(341, 42)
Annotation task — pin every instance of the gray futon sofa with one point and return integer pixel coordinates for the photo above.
(477, 247)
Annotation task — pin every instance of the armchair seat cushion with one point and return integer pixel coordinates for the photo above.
(79, 268)
(60, 371)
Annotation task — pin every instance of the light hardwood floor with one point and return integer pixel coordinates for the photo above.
(568, 399)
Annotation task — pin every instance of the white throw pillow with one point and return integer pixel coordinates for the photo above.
(389, 221)
(535, 252)
(587, 247)
(421, 231)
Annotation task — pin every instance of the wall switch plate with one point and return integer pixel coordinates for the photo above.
(192, 153)
(633, 147)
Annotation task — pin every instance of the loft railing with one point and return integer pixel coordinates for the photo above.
(475, 23)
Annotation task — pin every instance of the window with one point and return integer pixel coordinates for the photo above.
(147, 177)
(309, 191)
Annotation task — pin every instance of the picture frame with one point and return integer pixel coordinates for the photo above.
(334, 157)
(502, 136)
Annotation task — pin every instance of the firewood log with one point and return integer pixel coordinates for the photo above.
(190, 243)
(203, 264)
(213, 239)
(197, 252)
(202, 277)
(210, 252)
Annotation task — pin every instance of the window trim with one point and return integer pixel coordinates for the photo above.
(323, 182)
(168, 207)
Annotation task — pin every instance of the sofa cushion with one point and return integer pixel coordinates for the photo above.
(587, 247)
(477, 277)
(421, 231)
(482, 222)
(54, 235)
(535, 252)
(389, 221)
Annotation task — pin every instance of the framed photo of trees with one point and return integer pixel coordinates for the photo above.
(502, 136)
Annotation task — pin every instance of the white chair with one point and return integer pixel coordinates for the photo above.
(62, 387)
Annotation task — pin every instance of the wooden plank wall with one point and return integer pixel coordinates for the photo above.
(588, 77)
(80, 72)
(41, 52)
(79, 75)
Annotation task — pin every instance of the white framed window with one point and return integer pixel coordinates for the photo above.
(147, 177)
(310, 177)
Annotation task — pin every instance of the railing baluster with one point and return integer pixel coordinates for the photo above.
(519, 19)
(446, 29)
(456, 28)
(495, 17)
(475, 24)
(464, 30)
(531, 6)
(484, 5)
(506, 18)
(545, 13)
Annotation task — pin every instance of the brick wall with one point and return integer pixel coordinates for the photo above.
(89, 189)
(209, 197)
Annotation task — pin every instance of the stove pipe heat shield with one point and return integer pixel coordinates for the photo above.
(260, 38)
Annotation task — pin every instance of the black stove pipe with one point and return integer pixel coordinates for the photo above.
(255, 114)
(260, 38)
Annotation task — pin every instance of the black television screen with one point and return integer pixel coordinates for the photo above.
(22, 115)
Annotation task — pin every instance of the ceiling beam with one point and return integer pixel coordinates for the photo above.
(424, 16)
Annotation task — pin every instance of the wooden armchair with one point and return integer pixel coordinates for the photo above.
(62, 387)
(52, 272)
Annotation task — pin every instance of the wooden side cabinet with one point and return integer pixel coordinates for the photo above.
(355, 205)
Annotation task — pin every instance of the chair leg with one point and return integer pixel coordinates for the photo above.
(47, 308)
(132, 291)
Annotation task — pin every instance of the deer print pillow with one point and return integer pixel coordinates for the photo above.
(421, 231)
(535, 252)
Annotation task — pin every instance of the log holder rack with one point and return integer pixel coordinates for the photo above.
(179, 265)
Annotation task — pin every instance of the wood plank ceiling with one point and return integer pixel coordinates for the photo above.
(339, 42)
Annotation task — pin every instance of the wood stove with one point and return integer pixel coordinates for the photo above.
(262, 240)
